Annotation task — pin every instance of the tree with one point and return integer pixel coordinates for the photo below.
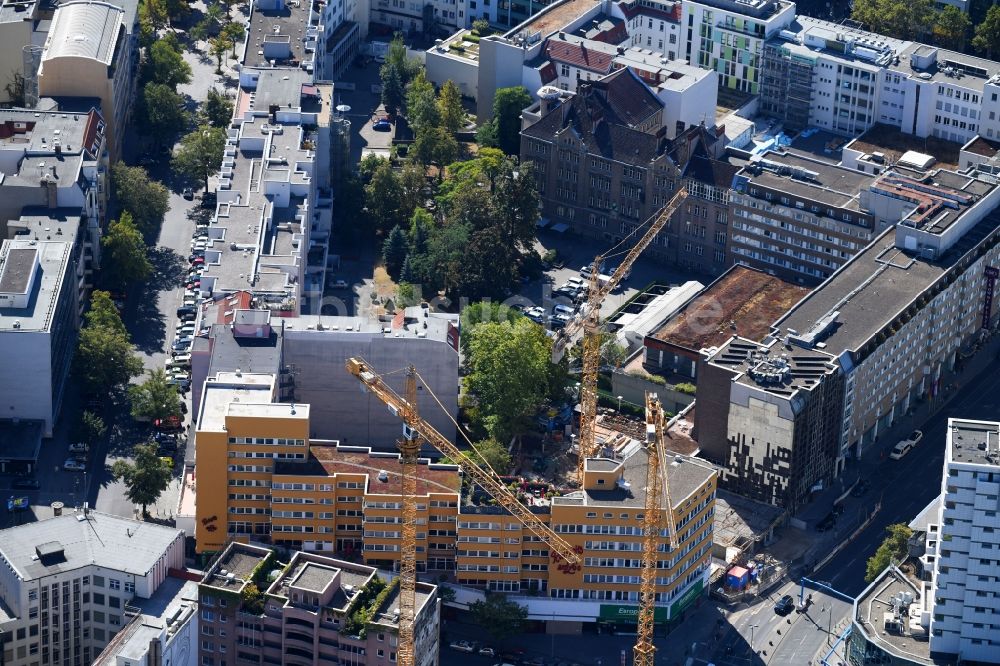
(509, 366)
(987, 37)
(166, 65)
(486, 134)
(164, 112)
(396, 56)
(154, 12)
(105, 359)
(393, 88)
(491, 266)
(146, 200)
(435, 145)
(500, 617)
(450, 107)
(893, 550)
(951, 27)
(155, 398)
(218, 46)
(515, 196)
(383, 195)
(493, 453)
(125, 253)
(483, 312)
(903, 19)
(210, 23)
(146, 478)
(217, 110)
(413, 189)
(507, 106)
(233, 33)
(103, 313)
(480, 26)
(420, 225)
(394, 251)
(200, 153)
(92, 428)
(421, 104)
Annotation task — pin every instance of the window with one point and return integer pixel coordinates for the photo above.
(98, 581)
(114, 584)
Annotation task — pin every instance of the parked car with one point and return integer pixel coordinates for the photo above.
(26, 484)
(73, 465)
(828, 522)
(188, 193)
(535, 314)
(186, 310)
(78, 447)
(901, 449)
(564, 310)
(196, 260)
(557, 321)
(463, 646)
(169, 424)
(339, 284)
(382, 125)
(785, 605)
(487, 651)
(180, 361)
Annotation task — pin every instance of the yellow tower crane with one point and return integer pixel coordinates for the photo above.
(416, 428)
(657, 501)
(589, 321)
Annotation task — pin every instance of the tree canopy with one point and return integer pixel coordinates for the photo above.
(481, 313)
(200, 153)
(91, 429)
(987, 37)
(145, 478)
(155, 398)
(450, 108)
(504, 130)
(217, 110)
(421, 104)
(509, 374)
(145, 199)
(893, 550)
(125, 259)
(501, 618)
(164, 112)
(951, 27)
(903, 19)
(394, 251)
(105, 359)
(165, 64)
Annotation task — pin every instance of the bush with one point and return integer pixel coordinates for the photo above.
(457, 48)
(642, 374)
(471, 37)
(686, 388)
(550, 256)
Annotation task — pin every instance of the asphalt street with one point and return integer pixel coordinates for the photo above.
(908, 485)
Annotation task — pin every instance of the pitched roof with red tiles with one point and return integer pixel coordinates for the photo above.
(580, 55)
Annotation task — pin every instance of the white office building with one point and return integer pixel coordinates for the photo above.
(965, 619)
(67, 584)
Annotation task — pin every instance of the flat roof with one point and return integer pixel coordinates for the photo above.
(749, 297)
(247, 354)
(413, 322)
(975, 71)
(330, 459)
(554, 17)
(893, 143)
(385, 614)
(266, 25)
(314, 572)
(227, 388)
(100, 539)
(238, 560)
(808, 178)
(16, 268)
(685, 476)
(775, 368)
(869, 618)
(974, 442)
(53, 257)
(876, 285)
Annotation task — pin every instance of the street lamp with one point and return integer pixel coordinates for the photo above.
(752, 627)
(829, 621)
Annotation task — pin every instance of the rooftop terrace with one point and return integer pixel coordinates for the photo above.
(554, 17)
(277, 34)
(974, 442)
(884, 613)
(233, 567)
(808, 178)
(893, 143)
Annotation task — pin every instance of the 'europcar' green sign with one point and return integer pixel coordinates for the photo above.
(630, 614)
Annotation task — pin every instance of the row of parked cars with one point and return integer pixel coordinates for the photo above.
(507, 657)
(178, 365)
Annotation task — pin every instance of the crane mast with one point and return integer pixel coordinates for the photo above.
(589, 321)
(486, 479)
(657, 501)
(409, 449)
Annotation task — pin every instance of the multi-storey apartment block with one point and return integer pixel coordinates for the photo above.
(728, 36)
(963, 620)
(797, 216)
(67, 583)
(257, 610)
(286, 488)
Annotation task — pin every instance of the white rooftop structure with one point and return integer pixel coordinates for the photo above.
(84, 29)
